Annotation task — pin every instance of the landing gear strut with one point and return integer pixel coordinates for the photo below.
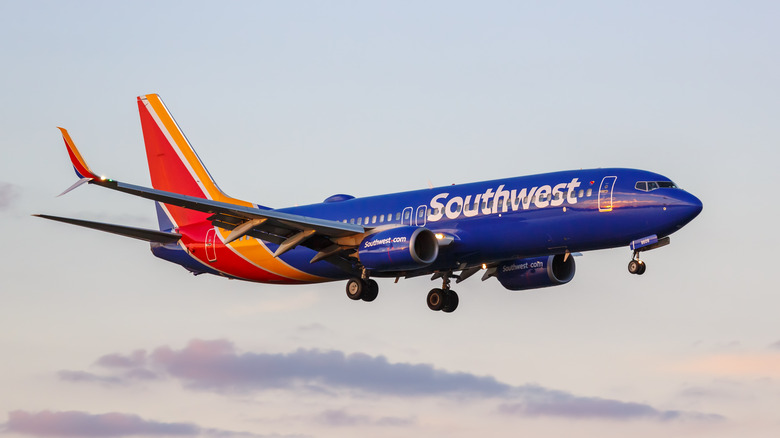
(443, 299)
(362, 289)
(636, 266)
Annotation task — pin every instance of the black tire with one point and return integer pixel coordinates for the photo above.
(451, 301)
(355, 288)
(634, 266)
(435, 299)
(642, 268)
(371, 291)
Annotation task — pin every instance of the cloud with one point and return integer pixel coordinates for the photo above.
(775, 346)
(541, 402)
(82, 424)
(8, 194)
(113, 424)
(217, 366)
(134, 360)
(341, 418)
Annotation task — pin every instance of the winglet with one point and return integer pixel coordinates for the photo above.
(79, 165)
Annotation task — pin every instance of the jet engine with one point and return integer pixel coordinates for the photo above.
(533, 273)
(399, 249)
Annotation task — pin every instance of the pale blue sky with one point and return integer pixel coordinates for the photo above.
(290, 102)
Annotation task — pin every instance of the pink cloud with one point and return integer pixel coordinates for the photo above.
(217, 366)
(82, 424)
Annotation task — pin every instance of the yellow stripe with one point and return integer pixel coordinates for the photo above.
(186, 149)
(256, 254)
(259, 255)
(74, 149)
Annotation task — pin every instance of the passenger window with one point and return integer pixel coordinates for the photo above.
(373, 219)
(352, 221)
(517, 201)
(421, 212)
(366, 220)
(381, 218)
(398, 216)
(581, 194)
(589, 192)
(407, 214)
(360, 221)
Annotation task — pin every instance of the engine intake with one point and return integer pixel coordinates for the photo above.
(399, 249)
(534, 273)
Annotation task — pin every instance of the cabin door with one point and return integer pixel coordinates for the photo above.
(605, 193)
(211, 248)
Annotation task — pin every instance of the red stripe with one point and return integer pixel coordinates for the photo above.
(227, 261)
(167, 170)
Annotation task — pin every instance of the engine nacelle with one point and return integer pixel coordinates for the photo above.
(399, 249)
(536, 272)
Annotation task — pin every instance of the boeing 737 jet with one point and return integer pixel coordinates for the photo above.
(522, 231)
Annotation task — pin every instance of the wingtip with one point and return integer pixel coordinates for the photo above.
(79, 164)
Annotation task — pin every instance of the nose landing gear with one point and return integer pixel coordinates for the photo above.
(636, 266)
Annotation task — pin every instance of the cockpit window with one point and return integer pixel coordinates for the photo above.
(647, 186)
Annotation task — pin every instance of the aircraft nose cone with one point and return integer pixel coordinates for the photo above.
(687, 207)
(693, 204)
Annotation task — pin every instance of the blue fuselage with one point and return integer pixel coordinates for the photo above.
(520, 217)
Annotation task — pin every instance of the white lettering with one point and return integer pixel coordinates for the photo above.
(453, 213)
(436, 207)
(500, 200)
(541, 200)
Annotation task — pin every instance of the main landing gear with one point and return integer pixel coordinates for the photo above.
(362, 289)
(636, 266)
(443, 299)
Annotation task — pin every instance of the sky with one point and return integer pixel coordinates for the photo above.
(288, 103)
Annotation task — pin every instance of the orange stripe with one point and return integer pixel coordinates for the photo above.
(192, 159)
(75, 157)
(259, 255)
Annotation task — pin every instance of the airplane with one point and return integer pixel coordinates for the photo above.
(524, 231)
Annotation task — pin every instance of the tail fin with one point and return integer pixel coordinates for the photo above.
(173, 164)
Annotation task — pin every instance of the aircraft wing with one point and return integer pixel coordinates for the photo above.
(284, 229)
(135, 233)
(275, 218)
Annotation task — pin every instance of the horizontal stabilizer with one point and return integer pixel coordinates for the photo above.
(135, 233)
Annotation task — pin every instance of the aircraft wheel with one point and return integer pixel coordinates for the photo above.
(634, 266)
(642, 268)
(435, 299)
(371, 291)
(451, 301)
(355, 288)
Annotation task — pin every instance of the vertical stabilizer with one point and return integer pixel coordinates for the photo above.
(173, 164)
